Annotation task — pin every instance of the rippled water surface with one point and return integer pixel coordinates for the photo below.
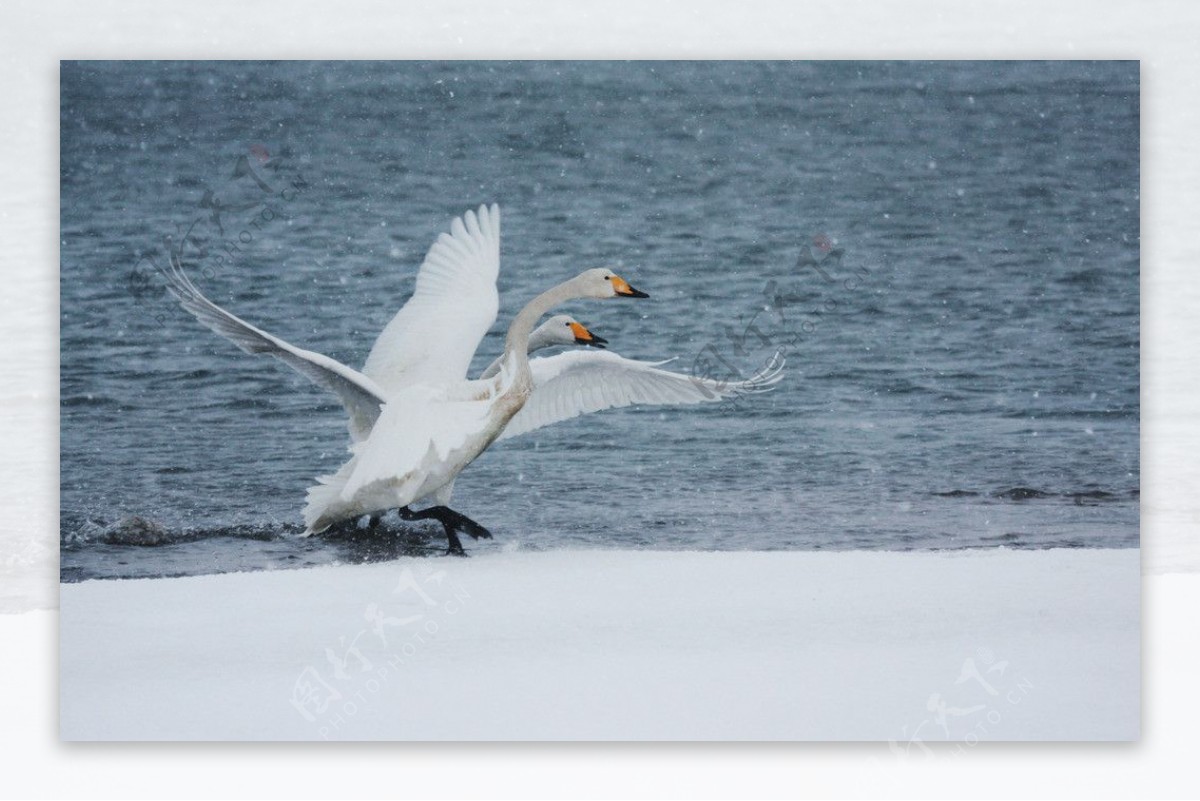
(946, 253)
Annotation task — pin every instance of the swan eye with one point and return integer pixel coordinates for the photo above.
(608, 278)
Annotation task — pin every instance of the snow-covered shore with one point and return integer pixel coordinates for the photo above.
(589, 645)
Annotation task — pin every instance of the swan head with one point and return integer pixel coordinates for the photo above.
(602, 282)
(563, 329)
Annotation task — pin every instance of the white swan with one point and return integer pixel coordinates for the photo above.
(566, 386)
(429, 431)
(361, 396)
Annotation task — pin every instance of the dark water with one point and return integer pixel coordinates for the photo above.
(962, 338)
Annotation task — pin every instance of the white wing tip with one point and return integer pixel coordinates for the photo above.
(475, 226)
(489, 216)
(766, 379)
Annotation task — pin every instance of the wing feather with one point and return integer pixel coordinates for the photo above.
(581, 382)
(433, 338)
(361, 396)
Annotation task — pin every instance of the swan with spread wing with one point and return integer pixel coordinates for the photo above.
(457, 282)
(359, 394)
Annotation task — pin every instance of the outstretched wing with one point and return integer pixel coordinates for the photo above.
(361, 396)
(433, 338)
(581, 382)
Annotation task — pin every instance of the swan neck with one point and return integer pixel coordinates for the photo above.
(516, 344)
(540, 338)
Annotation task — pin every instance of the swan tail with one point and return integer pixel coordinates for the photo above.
(323, 500)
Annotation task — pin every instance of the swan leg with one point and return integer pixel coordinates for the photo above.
(453, 543)
(452, 522)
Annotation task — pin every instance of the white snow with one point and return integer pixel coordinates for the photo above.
(586, 645)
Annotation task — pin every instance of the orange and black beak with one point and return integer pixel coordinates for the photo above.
(586, 337)
(622, 288)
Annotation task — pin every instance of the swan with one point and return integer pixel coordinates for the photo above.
(360, 395)
(565, 386)
(428, 431)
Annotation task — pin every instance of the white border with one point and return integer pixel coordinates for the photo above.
(34, 35)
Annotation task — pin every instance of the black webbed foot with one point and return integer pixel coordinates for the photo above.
(453, 522)
(463, 523)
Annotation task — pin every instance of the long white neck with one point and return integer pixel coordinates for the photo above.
(516, 343)
(539, 339)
